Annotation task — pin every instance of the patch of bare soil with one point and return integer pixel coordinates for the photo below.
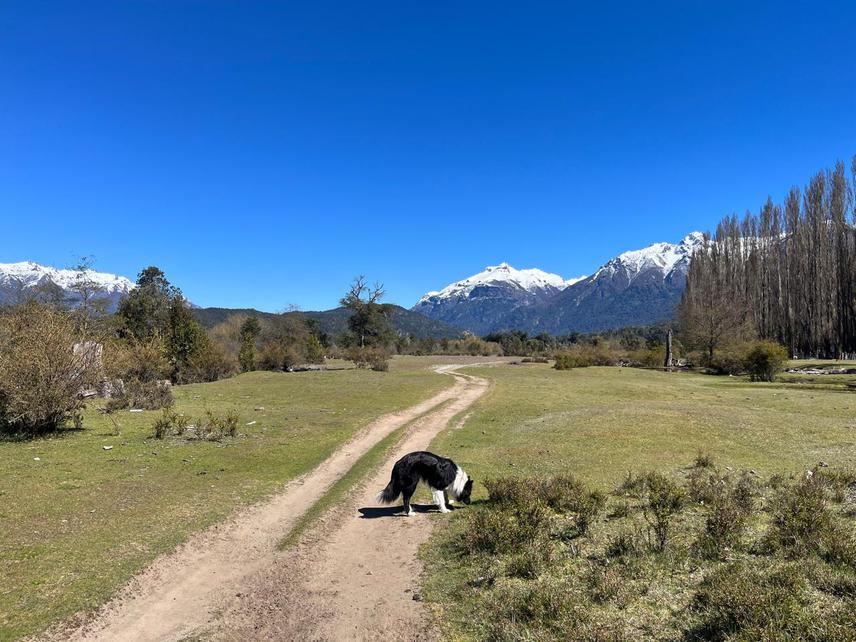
(356, 581)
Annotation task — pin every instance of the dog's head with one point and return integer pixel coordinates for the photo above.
(468, 489)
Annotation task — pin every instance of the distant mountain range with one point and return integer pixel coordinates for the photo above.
(25, 280)
(335, 321)
(635, 288)
(639, 287)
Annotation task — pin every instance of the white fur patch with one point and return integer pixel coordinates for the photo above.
(440, 500)
(457, 486)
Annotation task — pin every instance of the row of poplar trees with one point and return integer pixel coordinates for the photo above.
(787, 273)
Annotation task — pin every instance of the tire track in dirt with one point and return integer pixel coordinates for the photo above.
(184, 593)
(357, 578)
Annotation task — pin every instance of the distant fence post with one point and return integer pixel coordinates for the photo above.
(667, 364)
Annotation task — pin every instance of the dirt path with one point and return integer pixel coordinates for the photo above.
(358, 579)
(234, 571)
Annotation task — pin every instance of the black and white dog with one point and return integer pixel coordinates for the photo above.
(442, 475)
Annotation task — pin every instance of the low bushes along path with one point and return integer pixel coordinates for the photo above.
(356, 580)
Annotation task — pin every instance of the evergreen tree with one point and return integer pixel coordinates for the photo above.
(144, 313)
(250, 331)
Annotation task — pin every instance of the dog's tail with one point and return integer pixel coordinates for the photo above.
(390, 493)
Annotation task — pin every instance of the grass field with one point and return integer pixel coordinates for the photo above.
(79, 520)
(598, 424)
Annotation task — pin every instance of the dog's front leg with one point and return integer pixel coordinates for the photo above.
(449, 500)
(440, 500)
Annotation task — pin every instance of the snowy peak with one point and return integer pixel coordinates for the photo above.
(16, 279)
(664, 258)
(532, 281)
(30, 274)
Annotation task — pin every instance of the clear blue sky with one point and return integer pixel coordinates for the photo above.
(264, 153)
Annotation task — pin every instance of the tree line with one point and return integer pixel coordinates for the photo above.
(787, 274)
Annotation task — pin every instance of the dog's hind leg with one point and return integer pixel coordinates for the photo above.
(407, 493)
(440, 500)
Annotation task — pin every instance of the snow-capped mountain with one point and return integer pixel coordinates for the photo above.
(475, 303)
(532, 281)
(662, 258)
(639, 287)
(20, 281)
(634, 288)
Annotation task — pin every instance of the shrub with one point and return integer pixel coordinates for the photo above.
(724, 527)
(728, 360)
(530, 562)
(664, 499)
(582, 356)
(169, 423)
(375, 358)
(567, 494)
(633, 485)
(209, 362)
(214, 427)
(740, 603)
(134, 360)
(271, 356)
(562, 493)
(210, 427)
(146, 395)
(506, 529)
(706, 485)
(624, 544)
(510, 490)
(841, 483)
(800, 518)
(275, 355)
(703, 460)
(41, 374)
(763, 359)
(647, 357)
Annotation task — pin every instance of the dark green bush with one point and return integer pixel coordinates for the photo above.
(664, 500)
(763, 360)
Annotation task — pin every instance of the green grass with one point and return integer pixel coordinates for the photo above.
(597, 424)
(80, 521)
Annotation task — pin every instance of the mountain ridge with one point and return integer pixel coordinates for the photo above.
(637, 287)
(25, 278)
